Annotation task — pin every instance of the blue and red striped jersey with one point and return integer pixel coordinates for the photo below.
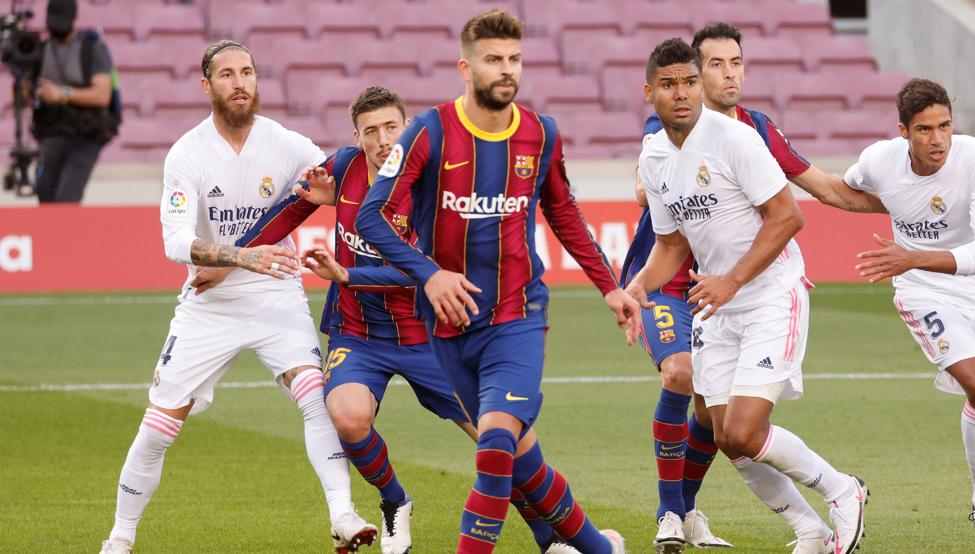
(789, 160)
(474, 203)
(379, 301)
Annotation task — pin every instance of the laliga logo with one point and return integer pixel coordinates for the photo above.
(356, 244)
(482, 207)
(16, 253)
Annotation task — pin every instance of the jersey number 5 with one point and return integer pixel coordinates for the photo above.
(935, 327)
(663, 317)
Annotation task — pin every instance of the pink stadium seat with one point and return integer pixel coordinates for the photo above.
(173, 21)
(875, 91)
(278, 58)
(115, 19)
(798, 125)
(239, 18)
(865, 125)
(550, 17)
(759, 93)
(312, 95)
(810, 91)
(791, 18)
(346, 17)
(622, 87)
(589, 51)
(540, 54)
(420, 19)
(750, 22)
(153, 132)
(569, 90)
(142, 58)
(669, 18)
(773, 54)
(845, 54)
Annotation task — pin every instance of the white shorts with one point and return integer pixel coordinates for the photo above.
(945, 335)
(744, 353)
(206, 336)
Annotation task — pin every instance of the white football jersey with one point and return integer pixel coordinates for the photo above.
(212, 193)
(710, 190)
(927, 213)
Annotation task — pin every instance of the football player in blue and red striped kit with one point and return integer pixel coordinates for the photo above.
(476, 168)
(370, 315)
(685, 446)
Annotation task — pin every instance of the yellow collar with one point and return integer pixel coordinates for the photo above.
(484, 135)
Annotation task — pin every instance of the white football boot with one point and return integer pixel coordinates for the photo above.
(846, 515)
(116, 546)
(670, 538)
(559, 546)
(619, 545)
(351, 531)
(396, 527)
(815, 545)
(697, 532)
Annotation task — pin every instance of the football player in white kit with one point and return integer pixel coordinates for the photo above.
(926, 179)
(715, 190)
(219, 179)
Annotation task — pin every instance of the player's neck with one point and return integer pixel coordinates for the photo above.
(731, 112)
(236, 137)
(920, 169)
(487, 120)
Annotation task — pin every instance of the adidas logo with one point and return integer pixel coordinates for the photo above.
(766, 363)
(215, 193)
(317, 351)
(663, 188)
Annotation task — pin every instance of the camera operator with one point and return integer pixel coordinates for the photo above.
(72, 115)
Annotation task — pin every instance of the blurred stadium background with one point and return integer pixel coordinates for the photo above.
(826, 72)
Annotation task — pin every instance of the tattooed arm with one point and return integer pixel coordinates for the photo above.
(259, 259)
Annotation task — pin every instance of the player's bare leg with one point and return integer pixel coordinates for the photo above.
(142, 472)
(964, 372)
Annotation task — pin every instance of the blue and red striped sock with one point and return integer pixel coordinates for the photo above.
(700, 453)
(370, 457)
(670, 446)
(540, 530)
(487, 504)
(549, 494)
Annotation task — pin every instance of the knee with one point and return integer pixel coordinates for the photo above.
(676, 378)
(352, 422)
(742, 441)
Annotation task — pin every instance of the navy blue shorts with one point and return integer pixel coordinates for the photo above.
(666, 327)
(497, 368)
(372, 363)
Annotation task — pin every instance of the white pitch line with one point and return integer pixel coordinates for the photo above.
(83, 387)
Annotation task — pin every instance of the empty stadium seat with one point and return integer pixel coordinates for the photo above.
(811, 92)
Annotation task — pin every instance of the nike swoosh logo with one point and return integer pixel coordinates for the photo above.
(480, 523)
(448, 166)
(512, 398)
(676, 446)
(343, 200)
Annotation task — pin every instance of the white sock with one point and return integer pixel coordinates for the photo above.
(322, 443)
(780, 494)
(787, 453)
(142, 471)
(968, 438)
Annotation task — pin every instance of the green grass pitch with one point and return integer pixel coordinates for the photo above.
(238, 480)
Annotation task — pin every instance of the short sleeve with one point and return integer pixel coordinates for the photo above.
(754, 168)
(101, 60)
(858, 176)
(663, 221)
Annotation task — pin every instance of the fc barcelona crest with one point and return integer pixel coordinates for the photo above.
(266, 187)
(938, 205)
(703, 176)
(401, 222)
(524, 166)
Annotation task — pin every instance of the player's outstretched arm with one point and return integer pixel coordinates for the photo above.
(830, 189)
(276, 261)
(667, 255)
(317, 187)
(782, 220)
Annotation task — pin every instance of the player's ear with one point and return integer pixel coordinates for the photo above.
(205, 83)
(648, 93)
(356, 138)
(464, 68)
(902, 129)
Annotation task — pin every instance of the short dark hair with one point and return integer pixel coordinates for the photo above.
(218, 47)
(493, 24)
(918, 95)
(669, 52)
(716, 30)
(372, 99)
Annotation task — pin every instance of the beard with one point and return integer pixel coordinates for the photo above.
(234, 116)
(485, 98)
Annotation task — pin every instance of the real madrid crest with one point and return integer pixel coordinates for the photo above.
(703, 176)
(943, 346)
(524, 166)
(266, 187)
(938, 205)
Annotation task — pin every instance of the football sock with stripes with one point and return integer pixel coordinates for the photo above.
(789, 454)
(670, 447)
(322, 442)
(487, 503)
(780, 494)
(540, 530)
(701, 450)
(371, 458)
(549, 494)
(142, 471)
(968, 438)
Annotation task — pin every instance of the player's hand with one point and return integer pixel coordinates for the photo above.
(627, 311)
(448, 292)
(710, 293)
(889, 261)
(321, 186)
(636, 291)
(48, 92)
(208, 277)
(277, 261)
(321, 263)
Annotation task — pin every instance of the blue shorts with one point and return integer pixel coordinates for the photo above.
(497, 368)
(371, 363)
(666, 327)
